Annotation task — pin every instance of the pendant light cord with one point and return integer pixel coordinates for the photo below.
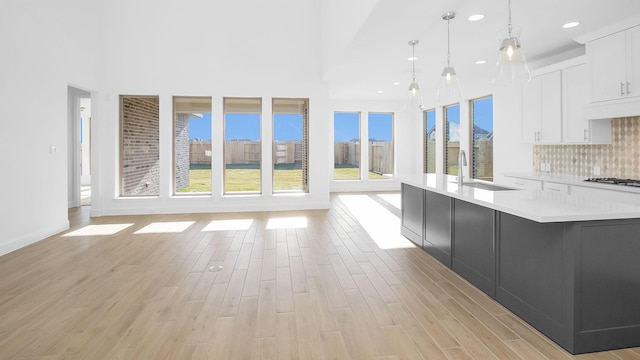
(449, 41)
(509, 25)
(413, 59)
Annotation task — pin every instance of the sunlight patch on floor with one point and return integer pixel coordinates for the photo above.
(380, 223)
(165, 227)
(393, 199)
(225, 225)
(287, 223)
(98, 230)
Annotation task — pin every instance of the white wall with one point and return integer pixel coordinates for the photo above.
(509, 153)
(217, 49)
(341, 21)
(45, 46)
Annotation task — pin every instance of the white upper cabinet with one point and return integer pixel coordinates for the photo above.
(614, 66)
(553, 107)
(542, 109)
(576, 129)
(633, 61)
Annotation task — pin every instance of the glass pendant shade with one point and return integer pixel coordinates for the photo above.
(414, 99)
(449, 90)
(511, 64)
(414, 88)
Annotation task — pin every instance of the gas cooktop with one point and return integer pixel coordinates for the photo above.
(615, 181)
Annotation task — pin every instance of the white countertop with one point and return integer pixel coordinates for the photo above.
(572, 180)
(536, 205)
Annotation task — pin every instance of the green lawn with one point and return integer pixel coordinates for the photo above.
(199, 181)
(352, 174)
(249, 179)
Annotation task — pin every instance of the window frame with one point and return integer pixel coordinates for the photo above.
(472, 168)
(121, 161)
(224, 142)
(174, 152)
(446, 133)
(304, 144)
(359, 158)
(393, 145)
(426, 140)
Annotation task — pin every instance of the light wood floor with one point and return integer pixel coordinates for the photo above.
(303, 285)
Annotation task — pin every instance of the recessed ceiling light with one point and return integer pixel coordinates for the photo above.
(396, 83)
(570, 24)
(380, 91)
(476, 17)
(480, 62)
(411, 58)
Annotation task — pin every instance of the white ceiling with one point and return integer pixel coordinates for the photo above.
(377, 55)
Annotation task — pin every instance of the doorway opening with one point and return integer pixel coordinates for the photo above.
(79, 147)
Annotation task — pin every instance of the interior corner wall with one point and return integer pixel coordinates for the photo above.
(46, 46)
(510, 153)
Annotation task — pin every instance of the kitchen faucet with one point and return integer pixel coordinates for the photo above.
(462, 161)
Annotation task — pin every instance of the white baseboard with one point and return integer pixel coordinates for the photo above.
(28, 239)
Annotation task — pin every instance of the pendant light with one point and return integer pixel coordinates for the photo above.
(449, 90)
(511, 64)
(414, 89)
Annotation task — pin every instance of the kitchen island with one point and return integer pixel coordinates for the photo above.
(568, 265)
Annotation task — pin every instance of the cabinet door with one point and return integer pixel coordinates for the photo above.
(550, 107)
(633, 62)
(519, 183)
(412, 213)
(531, 110)
(437, 219)
(473, 245)
(607, 59)
(574, 95)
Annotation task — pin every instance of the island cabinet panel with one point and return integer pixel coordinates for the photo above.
(473, 245)
(437, 219)
(576, 282)
(532, 276)
(412, 213)
(607, 285)
(575, 278)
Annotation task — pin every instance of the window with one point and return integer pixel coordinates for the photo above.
(482, 138)
(242, 148)
(140, 147)
(346, 146)
(290, 145)
(452, 138)
(192, 145)
(380, 127)
(430, 141)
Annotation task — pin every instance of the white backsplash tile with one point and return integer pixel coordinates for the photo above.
(619, 159)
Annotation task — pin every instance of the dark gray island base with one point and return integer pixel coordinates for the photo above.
(577, 282)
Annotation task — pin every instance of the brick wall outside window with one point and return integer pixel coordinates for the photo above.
(140, 152)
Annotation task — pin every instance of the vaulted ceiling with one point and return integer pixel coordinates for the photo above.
(374, 52)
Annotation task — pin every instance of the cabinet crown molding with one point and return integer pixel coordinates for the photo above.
(622, 25)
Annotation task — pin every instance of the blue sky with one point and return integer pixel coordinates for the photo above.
(482, 111)
(347, 126)
(247, 126)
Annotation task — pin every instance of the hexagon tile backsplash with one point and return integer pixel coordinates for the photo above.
(619, 159)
